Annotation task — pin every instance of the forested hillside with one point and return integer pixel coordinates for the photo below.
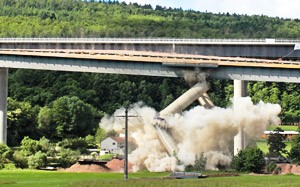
(60, 104)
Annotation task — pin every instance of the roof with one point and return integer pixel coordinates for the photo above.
(118, 139)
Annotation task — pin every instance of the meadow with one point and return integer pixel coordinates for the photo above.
(263, 145)
(53, 178)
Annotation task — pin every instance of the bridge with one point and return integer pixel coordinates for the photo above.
(271, 60)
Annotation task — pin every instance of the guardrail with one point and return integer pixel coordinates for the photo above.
(151, 40)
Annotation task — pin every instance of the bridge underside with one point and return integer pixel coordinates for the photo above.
(149, 68)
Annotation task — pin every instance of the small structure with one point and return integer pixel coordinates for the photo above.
(113, 144)
(287, 134)
(187, 175)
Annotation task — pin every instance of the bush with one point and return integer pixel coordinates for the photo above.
(107, 157)
(295, 151)
(189, 168)
(271, 167)
(5, 153)
(37, 160)
(30, 146)
(20, 159)
(249, 160)
(10, 166)
(90, 140)
(68, 157)
(75, 144)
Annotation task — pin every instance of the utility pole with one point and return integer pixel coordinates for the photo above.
(126, 143)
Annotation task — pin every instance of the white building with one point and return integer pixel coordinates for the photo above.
(113, 145)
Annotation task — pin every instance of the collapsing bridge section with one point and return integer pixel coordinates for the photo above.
(198, 91)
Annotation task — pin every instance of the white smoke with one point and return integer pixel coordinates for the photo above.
(199, 130)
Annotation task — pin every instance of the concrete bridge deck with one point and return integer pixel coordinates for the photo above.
(170, 59)
(151, 64)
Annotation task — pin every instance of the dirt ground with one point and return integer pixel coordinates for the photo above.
(289, 168)
(114, 165)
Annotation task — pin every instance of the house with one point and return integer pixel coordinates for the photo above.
(116, 144)
(113, 144)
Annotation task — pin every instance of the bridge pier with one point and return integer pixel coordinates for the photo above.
(3, 104)
(240, 90)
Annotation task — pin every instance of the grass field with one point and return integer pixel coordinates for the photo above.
(52, 178)
(283, 127)
(262, 145)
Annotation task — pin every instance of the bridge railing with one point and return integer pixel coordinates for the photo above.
(150, 40)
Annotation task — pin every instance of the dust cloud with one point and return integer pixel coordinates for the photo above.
(196, 131)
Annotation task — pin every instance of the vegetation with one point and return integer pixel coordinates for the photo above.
(250, 159)
(276, 143)
(41, 178)
(283, 127)
(199, 165)
(295, 151)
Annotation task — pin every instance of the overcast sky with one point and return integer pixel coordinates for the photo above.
(273, 8)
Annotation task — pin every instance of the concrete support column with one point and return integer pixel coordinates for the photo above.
(3, 104)
(240, 90)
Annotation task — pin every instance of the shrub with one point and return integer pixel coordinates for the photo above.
(5, 153)
(75, 144)
(30, 146)
(90, 140)
(271, 167)
(295, 151)
(68, 157)
(37, 160)
(189, 168)
(20, 159)
(9, 166)
(107, 157)
(249, 160)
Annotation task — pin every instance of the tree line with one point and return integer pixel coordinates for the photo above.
(61, 105)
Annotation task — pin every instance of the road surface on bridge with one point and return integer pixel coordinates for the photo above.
(169, 59)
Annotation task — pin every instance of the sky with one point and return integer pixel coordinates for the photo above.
(272, 8)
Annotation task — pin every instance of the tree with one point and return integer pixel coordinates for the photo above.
(100, 135)
(251, 159)
(295, 150)
(199, 164)
(71, 117)
(21, 121)
(275, 142)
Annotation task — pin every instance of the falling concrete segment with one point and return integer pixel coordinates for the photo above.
(177, 106)
(205, 101)
(185, 100)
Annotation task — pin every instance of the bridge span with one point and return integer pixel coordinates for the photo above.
(151, 64)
